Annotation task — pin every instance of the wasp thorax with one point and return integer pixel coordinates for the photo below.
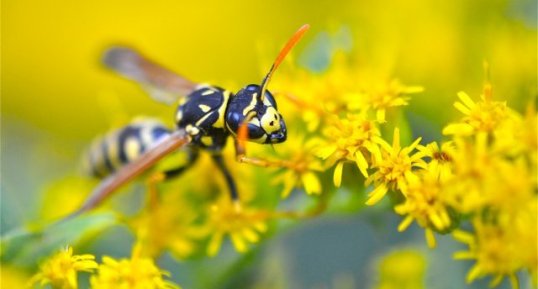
(265, 124)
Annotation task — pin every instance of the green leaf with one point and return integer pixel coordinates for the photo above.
(25, 246)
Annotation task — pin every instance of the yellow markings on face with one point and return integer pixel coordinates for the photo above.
(204, 108)
(132, 148)
(207, 140)
(192, 130)
(270, 121)
(222, 110)
(251, 105)
(208, 92)
(255, 121)
(113, 150)
(266, 102)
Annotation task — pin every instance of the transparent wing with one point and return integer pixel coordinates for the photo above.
(127, 173)
(162, 84)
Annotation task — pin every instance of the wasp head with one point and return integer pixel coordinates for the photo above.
(265, 124)
(255, 107)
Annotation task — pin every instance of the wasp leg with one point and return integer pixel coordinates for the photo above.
(219, 161)
(160, 177)
(241, 156)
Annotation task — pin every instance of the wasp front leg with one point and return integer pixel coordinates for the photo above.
(241, 156)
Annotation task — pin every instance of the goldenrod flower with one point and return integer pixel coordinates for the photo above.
(483, 178)
(60, 271)
(424, 204)
(355, 139)
(403, 269)
(393, 168)
(503, 247)
(299, 167)
(135, 273)
(380, 96)
(243, 225)
(518, 135)
(482, 116)
(167, 225)
(317, 95)
(440, 158)
(342, 88)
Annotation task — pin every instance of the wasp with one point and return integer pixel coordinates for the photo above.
(206, 116)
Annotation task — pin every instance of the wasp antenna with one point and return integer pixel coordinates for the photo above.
(289, 45)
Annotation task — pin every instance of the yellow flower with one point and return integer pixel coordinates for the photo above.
(423, 204)
(243, 225)
(518, 135)
(380, 96)
(343, 87)
(135, 273)
(299, 167)
(353, 139)
(440, 158)
(315, 95)
(482, 116)
(167, 225)
(502, 247)
(393, 168)
(483, 178)
(60, 271)
(403, 269)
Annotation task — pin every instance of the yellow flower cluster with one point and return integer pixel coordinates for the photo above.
(355, 139)
(494, 182)
(342, 88)
(241, 224)
(485, 175)
(301, 168)
(60, 271)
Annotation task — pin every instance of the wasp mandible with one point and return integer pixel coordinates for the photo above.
(205, 117)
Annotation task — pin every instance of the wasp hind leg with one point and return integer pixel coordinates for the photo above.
(159, 177)
(219, 161)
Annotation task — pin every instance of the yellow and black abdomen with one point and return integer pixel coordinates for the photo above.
(121, 146)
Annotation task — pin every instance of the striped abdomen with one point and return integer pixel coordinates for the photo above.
(121, 146)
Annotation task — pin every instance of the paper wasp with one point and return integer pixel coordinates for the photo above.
(206, 116)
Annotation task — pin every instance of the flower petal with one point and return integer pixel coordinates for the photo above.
(361, 163)
(311, 183)
(337, 177)
(377, 194)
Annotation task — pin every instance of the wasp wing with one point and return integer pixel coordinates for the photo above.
(162, 84)
(131, 170)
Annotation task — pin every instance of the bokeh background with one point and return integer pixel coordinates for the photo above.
(56, 97)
